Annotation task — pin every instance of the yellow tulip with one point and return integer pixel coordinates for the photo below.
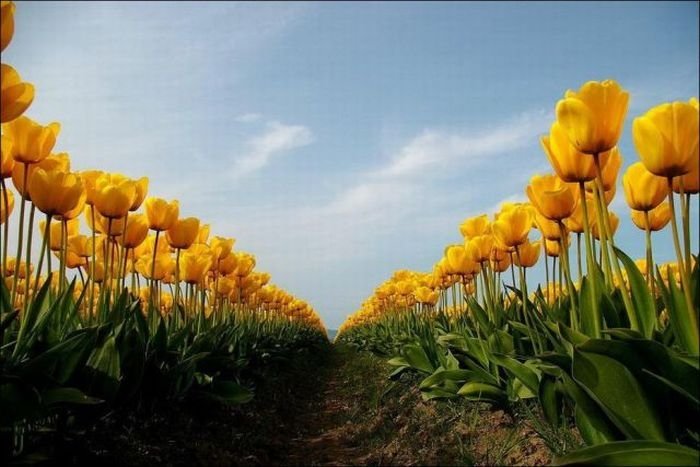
(553, 198)
(161, 214)
(15, 95)
(570, 164)
(89, 178)
(80, 245)
(164, 265)
(7, 23)
(53, 163)
(500, 264)
(56, 243)
(113, 195)
(102, 224)
(203, 235)
(221, 247)
(474, 226)
(227, 265)
(246, 263)
(643, 190)
(31, 142)
(689, 181)
(458, 261)
(183, 232)
(659, 217)
(593, 116)
(141, 186)
(666, 139)
(574, 223)
(4, 214)
(513, 226)
(552, 248)
(55, 193)
(426, 295)
(549, 229)
(528, 254)
(479, 248)
(609, 171)
(8, 162)
(136, 231)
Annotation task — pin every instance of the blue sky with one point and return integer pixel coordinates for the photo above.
(340, 141)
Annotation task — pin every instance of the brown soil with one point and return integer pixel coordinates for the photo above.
(337, 408)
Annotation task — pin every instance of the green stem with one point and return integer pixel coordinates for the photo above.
(18, 257)
(685, 280)
(578, 256)
(564, 264)
(28, 276)
(650, 261)
(6, 226)
(45, 243)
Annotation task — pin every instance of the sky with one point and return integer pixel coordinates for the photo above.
(341, 141)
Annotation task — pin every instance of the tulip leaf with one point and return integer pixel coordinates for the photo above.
(625, 453)
(641, 296)
(519, 370)
(619, 394)
(417, 358)
(229, 392)
(482, 391)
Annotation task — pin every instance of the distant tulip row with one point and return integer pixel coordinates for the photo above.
(573, 201)
(156, 245)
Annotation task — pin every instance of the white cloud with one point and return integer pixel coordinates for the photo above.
(277, 139)
(249, 118)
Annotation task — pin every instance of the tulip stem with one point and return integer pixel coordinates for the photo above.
(685, 281)
(153, 268)
(176, 301)
(6, 226)
(91, 282)
(15, 276)
(46, 241)
(564, 264)
(546, 273)
(591, 267)
(64, 253)
(28, 274)
(523, 290)
(685, 218)
(578, 256)
(631, 312)
(650, 261)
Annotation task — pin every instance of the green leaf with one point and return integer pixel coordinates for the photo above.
(230, 392)
(416, 357)
(482, 391)
(519, 370)
(58, 396)
(550, 401)
(632, 453)
(619, 394)
(642, 300)
(441, 376)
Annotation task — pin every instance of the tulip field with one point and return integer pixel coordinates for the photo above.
(127, 306)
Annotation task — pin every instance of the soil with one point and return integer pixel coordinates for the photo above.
(332, 408)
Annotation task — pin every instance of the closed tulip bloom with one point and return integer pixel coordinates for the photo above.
(102, 224)
(56, 244)
(89, 178)
(609, 171)
(512, 227)
(643, 190)
(553, 198)
(228, 264)
(113, 195)
(31, 142)
(689, 181)
(426, 295)
(54, 163)
(221, 247)
(666, 139)
(164, 265)
(501, 264)
(474, 226)
(479, 248)
(569, 164)
(80, 245)
(528, 254)
(55, 193)
(161, 214)
(574, 223)
(458, 261)
(246, 263)
(552, 248)
(77, 210)
(593, 116)
(99, 272)
(183, 232)
(136, 231)
(7, 23)
(141, 186)
(15, 95)
(8, 162)
(659, 217)
(73, 260)
(548, 228)
(203, 236)
(4, 214)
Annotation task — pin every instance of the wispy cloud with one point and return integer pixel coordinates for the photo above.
(277, 139)
(249, 118)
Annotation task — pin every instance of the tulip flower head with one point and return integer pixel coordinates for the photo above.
(161, 214)
(643, 190)
(31, 141)
(15, 95)
(552, 197)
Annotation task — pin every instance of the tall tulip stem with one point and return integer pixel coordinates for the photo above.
(591, 267)
(685, 280)
(6, 225)
(650, 259)
(573, 311)
(45, 244)
(27, 278)
(15, 276)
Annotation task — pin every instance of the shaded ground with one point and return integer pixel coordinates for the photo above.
(334, 408)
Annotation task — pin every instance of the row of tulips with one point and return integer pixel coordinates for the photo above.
(145, 307)
(607, 343)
